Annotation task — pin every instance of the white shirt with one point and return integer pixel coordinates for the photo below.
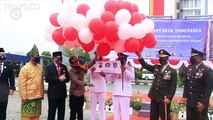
(98, 81)
(1, 67)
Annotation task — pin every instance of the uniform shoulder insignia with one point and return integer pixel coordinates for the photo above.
(207, 66)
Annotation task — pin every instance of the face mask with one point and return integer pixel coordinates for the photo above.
(59, 60)
(163, 60)
(192, 61)
(36, 59)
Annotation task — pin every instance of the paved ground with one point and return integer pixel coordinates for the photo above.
(13, 111)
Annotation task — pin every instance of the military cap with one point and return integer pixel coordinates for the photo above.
(57, 53)
(122, 55)
(195, 52)
(1, 49)
(163, 53)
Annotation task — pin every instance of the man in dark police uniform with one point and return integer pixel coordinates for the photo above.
(198, 87)
(163, 87)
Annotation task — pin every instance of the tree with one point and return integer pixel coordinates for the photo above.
(181, 75)
(47, 59)
(76, 51)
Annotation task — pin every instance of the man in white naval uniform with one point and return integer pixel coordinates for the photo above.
(98, 92)
(122, 89)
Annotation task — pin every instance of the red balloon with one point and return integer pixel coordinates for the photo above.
(131, 45)
(82, 9)
(141, 45)
(135, 18)
(58, 36)
(53, 19)
(70, 34)
(112, 38)
(112, 6)
(136, 61)
(134, 7)
(126, 5)
(111, 28)
(142, 16)
(99, 36)
(107, 16)
(149, 40)
(103, 49)
(87, 47)
(96, 26)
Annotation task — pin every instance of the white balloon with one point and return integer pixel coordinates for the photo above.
(122, 16)
(85, 35)
(139, 30)
(125, 31)
(64, 19)
(150, 25)
(93, 13)
(79, 22)
(48, 37)
(50, 28)
(65, 15)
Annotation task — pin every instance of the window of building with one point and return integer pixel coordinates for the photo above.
(189, 8)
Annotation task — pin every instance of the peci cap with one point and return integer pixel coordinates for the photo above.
(57, 53)
(2, 54)
(195, 52)
(163, 53)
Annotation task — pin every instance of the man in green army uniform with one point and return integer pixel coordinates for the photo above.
(163, 87)
(198, 87)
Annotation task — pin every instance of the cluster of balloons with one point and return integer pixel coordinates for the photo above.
(117, 26)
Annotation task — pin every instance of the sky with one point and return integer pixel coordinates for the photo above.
(23, 23)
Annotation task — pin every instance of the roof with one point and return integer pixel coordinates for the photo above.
(19, 58)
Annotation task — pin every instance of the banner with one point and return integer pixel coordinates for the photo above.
(108, 67)
(177, 37)
(211, 40)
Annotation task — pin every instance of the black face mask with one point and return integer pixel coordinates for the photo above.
(2, 58)
(192, 60)
(36, 59)
(59, 60)
(123, 61)
(163, 60)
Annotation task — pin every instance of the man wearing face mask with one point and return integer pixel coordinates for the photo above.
(77, 89)
(98, 92)
(7, 84)
(56, 75)
(31, 87)
(163, 87)
(122, 89)
(198, 87)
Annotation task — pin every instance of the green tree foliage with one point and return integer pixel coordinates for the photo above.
(76, 51)
(47, 59)
(181, 75)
